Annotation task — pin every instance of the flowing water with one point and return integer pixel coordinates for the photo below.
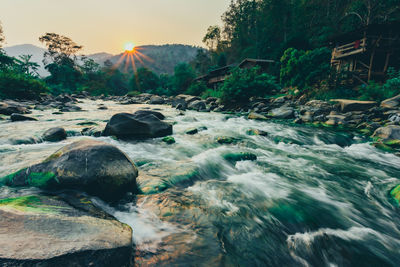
(312, 198)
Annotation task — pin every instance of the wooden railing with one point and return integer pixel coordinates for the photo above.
(346, 50)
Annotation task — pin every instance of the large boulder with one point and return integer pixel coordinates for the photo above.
(393, 102)
(197, 105)
(347, 105)
(20, 117)
(40, 230)
(55, 134)
(142, 124)
(391, 132)
(95, 167)
(156, 100)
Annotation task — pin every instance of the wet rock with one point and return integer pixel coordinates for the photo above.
(24, 141)
(19, 117)
(54, 134)
(40, 230)
(197, 105)
(156, 100)
(395, 194)
(347, 105)
(95, 167)
(256, 116)
(92, 131)
(159, 115)
(169, 140)
(393, 102)
(256, 132)
(241, 156)
(192, 131)
(282, 113)
(391, 132)
(10, 108)
(102, 107)
(142, 124)
(226, 140)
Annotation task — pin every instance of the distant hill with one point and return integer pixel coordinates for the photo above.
(28, 49)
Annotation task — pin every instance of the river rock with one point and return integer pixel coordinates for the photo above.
(10, 108)
(256, 132)
(192, 131)
(20, 117)
(95, 167)
(198, 105)
(334, 120)
(54, 134)
(142, 124)
(256, 116)
(282, 113)
(347, 105)
(156, 100)
(159, 115)
(391, 132)
(393, 102)
(40, 230)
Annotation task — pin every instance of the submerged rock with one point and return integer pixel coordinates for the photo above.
(192, 131)
(169, 140)
(20, 117)
(54, 134)
(95, 167)
(142, 124)
(395, 194)
(226, 140)
(241, 156)
(256, 132)
(39, 230)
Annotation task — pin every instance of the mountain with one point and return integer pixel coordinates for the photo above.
(28, 49)
(158, 58)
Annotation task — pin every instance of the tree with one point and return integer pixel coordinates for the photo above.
(183, 77)
(60, 60)
(212, 37)
(27, 66)
(1, 36)
(144, 80)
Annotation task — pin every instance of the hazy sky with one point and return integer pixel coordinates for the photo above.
(106, 25)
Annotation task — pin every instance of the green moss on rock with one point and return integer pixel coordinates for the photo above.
(395, 194)
(169, 140)
(29, 204)
(226, 140)
(241, 156)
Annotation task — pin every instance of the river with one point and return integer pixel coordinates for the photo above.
(313, 197)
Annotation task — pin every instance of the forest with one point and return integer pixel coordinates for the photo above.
(295, 34)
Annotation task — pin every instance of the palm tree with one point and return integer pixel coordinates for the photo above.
(27, 66)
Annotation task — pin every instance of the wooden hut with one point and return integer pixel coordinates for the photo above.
(367, 53)
(216, 77)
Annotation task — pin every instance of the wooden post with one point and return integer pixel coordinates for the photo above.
(371, 63)
(387, 62)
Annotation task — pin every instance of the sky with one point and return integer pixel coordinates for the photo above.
(107, 25)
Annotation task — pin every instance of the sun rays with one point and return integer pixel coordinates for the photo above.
(131, 57)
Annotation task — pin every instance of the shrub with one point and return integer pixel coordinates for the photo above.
(211, 93)
(245, 83)
(304, 69)
(197, 88)
(20, 86)
(377, 92)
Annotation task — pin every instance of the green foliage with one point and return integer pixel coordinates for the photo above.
(144, 80)
(20, 86)
(245, 83)
(182, 79)
(197, 88)
(304, 69)
(211, 93)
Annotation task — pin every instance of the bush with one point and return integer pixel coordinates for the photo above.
(211, 93)
(144, 81)
(245, 83)
(20, 86)
(197, 88)
(377, 92)
(304, 69)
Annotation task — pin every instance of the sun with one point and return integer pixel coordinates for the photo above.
(129, 47)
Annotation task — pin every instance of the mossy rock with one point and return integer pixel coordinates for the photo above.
(393, 143)
(395, 194)
(241, 156)
(97, 168)
(256, 132)
(227, 140)
(169, 140)
(382, 146)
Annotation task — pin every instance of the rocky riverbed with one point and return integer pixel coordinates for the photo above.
(149, 180)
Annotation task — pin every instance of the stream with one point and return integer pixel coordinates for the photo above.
(313, 197)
